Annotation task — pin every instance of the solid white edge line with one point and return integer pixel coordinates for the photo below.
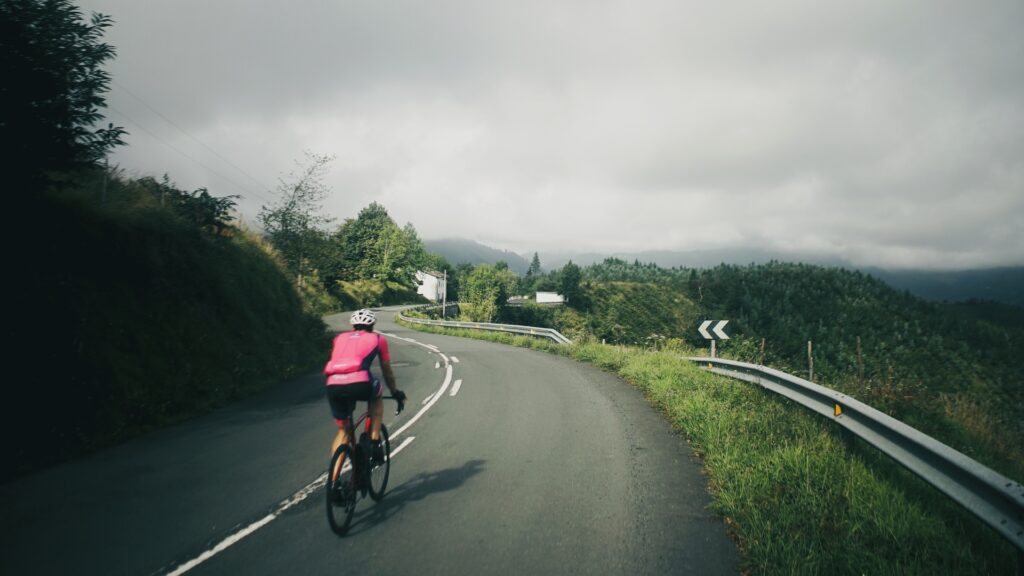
(224, 544)
(309, 488)
(437, 396)
(455, 388)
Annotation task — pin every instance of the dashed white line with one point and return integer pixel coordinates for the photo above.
(437, 396)
(402, 446)
(315, 484)
(454, 359)
(455, 388)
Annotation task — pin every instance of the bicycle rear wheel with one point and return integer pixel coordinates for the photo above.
(380, 469)
(341, 492)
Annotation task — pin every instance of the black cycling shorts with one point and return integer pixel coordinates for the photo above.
(343, 398)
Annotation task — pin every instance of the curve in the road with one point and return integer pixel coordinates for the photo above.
(318, 483)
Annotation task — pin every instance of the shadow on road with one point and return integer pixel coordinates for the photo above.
(413, 490)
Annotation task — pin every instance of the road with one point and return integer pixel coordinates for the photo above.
(511, 461)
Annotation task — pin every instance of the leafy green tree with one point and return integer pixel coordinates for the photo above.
(487, 290)
(294, 224)
(53, 86)
(461, 274)
(376, 249)
(569, 284)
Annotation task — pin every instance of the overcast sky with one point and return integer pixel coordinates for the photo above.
(881, 132)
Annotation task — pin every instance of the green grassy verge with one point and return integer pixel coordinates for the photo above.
(796, 500)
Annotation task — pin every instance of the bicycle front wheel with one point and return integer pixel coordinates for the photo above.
(341, 491)
(380, 466)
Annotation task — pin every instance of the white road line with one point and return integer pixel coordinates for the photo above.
(427, 399)
(437, 396)
(437, 365)
(224, 544)
(455, 388)
(401, 446)
(454, 359)
(312, 486)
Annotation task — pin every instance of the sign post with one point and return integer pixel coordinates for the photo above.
(716, 333)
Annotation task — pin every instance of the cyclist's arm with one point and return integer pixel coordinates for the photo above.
(385, 365)
(389, 375)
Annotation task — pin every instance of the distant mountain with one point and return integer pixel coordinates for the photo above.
(458, 250)
(1004, 285)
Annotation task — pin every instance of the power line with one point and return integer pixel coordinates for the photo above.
(187, 133)
(185, 154)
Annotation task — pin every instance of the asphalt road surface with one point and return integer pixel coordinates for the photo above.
(510, 461)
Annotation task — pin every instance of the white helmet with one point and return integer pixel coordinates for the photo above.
(362, 317)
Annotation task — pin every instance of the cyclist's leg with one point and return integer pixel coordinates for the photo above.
(339, 439)
(340, 398)
(376, 410)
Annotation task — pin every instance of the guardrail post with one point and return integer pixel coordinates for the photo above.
(848, 438)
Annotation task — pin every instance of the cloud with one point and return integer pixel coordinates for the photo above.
(879, 133)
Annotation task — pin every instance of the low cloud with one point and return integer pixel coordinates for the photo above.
(877, 133)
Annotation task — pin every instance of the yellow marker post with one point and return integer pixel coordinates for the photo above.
(839, 410)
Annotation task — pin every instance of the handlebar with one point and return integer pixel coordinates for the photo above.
(401, 404)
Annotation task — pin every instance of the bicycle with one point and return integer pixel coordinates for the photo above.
(358, 475)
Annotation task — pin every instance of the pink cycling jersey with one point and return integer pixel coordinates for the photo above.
(352, 356)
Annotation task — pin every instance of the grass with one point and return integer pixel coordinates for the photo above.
(795, 499)
(127, 318)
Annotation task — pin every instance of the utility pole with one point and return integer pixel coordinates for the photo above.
(444, 296)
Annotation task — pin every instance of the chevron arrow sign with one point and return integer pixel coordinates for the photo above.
(717, 331)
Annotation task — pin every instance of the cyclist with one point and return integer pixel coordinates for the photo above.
(349, 379)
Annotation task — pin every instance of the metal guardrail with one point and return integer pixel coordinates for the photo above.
(513, 328)
(992, 497)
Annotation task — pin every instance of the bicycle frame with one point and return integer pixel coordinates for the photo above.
(354, 457)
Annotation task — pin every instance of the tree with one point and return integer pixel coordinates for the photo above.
(569, 284)
(293, 225)
(53, 85)
(377, 250)
(534, 269)
(487, 289)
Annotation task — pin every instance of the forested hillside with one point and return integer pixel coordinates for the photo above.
(951, 370)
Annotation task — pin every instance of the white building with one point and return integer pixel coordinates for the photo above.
(550, 298)
(432, 285)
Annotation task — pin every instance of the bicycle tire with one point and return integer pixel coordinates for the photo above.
(379, 473)
(341, 492)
